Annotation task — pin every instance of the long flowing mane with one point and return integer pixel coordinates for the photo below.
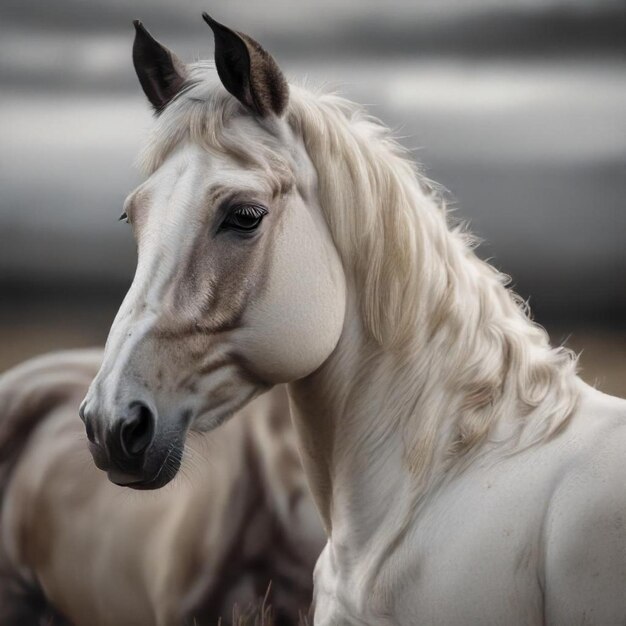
(422, 287)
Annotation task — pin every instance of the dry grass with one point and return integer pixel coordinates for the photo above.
(259, 615)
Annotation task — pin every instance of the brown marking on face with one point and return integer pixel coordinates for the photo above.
(159, 377)
(189, 330)
(213, 276)
(287, 185)
(221, 273)
(213, 365)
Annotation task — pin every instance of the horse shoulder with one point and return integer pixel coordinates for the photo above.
(585, 530)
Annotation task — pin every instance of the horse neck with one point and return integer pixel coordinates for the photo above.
(379, 428)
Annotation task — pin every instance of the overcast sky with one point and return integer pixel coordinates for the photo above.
(83, 43)
(518, 107)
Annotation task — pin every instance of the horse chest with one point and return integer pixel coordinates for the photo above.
(462, 563)
(445, 585)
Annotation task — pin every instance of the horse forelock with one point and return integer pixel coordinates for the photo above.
(202, 112)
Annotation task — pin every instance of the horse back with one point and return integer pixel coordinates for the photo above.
(585, 530)
(29, 392)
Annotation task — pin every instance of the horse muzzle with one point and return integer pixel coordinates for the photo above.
(130, 448)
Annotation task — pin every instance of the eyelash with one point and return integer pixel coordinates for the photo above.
(236, 218)
(245, 210)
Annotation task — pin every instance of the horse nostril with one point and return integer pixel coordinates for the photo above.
(90, 432)
(137, 431)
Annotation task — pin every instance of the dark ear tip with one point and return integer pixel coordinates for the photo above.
(209, 20)
(216, 27)
(141, 30)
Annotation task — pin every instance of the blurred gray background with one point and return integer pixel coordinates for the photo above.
(518, 108)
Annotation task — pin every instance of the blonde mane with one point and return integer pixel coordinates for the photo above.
(421, 286)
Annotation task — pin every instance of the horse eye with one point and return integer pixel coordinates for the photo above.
(244, 218)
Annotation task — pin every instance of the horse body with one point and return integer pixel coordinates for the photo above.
(239, 519)
(284, 237)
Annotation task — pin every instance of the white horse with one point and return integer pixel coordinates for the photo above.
(464, 474)
(239, 520)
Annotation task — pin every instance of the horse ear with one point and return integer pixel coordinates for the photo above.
(248, 71)
(160, 72)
